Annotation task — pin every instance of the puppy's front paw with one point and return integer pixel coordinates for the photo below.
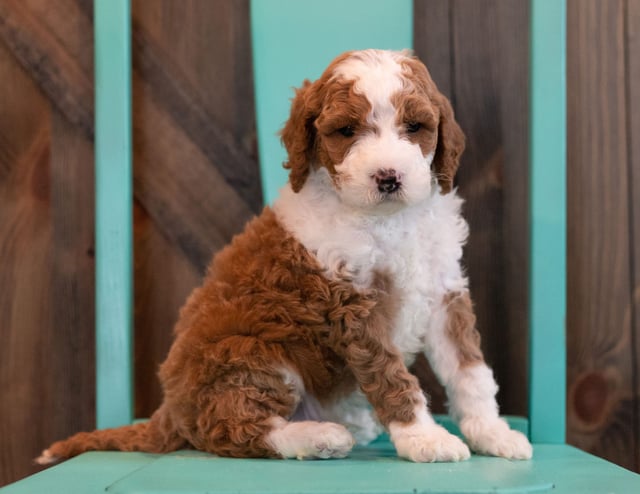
(494, 437)
(429, 444)
(329, 441)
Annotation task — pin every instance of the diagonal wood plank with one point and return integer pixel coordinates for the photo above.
(179, 99)
(187, 199)
(70, 88)
(600, 404)
(42, 55)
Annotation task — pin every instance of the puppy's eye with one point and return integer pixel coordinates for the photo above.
(413, 127)
(347, 131)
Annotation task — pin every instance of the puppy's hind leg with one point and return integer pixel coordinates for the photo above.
(245, 414)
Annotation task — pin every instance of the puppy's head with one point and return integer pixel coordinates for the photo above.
(378, 126)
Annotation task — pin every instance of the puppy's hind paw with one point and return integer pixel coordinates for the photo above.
(309, 440)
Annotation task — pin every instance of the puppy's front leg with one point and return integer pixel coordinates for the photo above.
(453, 350)
(399, 402)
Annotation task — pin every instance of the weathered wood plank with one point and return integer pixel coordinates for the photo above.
(632, 43)
(46, 60)
(512, 67)
(185, 196)
(188, 85)
(70, 376)
(477, 54)
(70, 88)
(179, 99)
(164, 279)
(487, 37)
(214, 56)
(600, 360)
(72, 28)
(25, 273)
(432, 41)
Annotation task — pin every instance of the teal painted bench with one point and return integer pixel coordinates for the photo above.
(375, 468)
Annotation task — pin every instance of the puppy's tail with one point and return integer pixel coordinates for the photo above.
(155, 436)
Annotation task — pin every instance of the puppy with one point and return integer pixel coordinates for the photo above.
(297, 343)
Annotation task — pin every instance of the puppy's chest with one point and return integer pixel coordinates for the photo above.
(421, 266)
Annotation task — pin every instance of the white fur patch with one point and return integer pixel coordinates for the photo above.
(494, 437)
(377, 74)
(307, 440)
(425, 441)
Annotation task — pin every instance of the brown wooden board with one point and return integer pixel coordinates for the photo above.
(632, 43)
(601, 396)
(485, 77)
(46, 273)
(196, 170)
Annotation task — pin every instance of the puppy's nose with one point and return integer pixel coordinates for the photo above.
(387, 180)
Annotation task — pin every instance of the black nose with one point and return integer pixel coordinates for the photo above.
(387, 180)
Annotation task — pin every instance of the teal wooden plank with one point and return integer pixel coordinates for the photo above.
(86, 474)
(294, 40)
(114, 196)
(374, 470)
(548, 222)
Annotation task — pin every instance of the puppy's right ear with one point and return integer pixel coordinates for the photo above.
(298, 134)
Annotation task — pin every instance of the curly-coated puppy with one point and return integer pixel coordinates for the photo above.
(298, 341)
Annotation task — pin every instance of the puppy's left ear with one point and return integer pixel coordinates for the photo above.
(450, 145)
(298, 135)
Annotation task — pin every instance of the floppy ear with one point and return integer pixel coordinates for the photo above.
(450, 145)
(298, 135)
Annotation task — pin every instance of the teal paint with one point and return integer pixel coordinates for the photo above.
(295, 40)
(547, 393)
(114, 198)
(374, 469)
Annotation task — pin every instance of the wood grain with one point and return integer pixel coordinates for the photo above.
(432, 40)
(25, 259)
(485, 76)
(47, 61)
(196, 172)
(601, 399)
(46, 275)
(632, 43)
(180, 100)
(164, 279)
(68, 83)
(69, 380)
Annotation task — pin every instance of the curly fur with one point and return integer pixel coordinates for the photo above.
(313, 313)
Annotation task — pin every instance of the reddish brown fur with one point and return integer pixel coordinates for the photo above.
(310, 138)
(461, 328)
(265, 305)
(299, 132)
(450, 137)
(343, 107)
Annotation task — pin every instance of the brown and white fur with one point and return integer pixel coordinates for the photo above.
(297, 343)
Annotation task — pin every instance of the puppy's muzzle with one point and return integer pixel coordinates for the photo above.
(387, 180)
